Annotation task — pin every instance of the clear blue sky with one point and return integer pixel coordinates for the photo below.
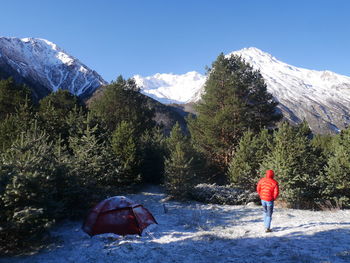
(144, 37)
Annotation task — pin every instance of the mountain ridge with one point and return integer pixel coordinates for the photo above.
(322, 98)
(40, 61)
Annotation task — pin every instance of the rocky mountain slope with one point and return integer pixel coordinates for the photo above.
(42, 64)
(322, 98)
(45, 67)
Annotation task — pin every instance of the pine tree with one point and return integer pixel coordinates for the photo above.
(235, 100)
(336, 178)
(324, 143)
(126, 113)
(53, 112)
(244, 168)
(8, 132)
(93, 161)
(180, 165)
(62, 101)
(125, 147)
(29, 189)
(296, 164)
(76, 121)
(11, 96)
(153, 149)
(16, 123)
(70, 192)
(123, 101)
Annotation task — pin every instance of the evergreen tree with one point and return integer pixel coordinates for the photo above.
(235, 100)
(180, 165)
(54, 110)
(122, 101)
(324, 143)
(336, 178)
(296, 164)
(153, 148)
(11, 96)
(93, 162)
(16, 123)
(244, 168)
(71, 194)
(29, 189)
(126, 113)
(76, 121)
(62, 101)
(125, 147)
(8, 132)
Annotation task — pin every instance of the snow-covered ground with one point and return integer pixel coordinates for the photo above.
(195, 232)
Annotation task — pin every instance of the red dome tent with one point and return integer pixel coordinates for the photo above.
(118, 215)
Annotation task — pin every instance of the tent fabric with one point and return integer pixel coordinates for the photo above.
(119, 215)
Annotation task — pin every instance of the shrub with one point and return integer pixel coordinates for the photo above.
(244, 167)
(30, 177)
(153, 150)
(126, 149)
(335, 180)
(296, 164)
(180, 165)
(93, 163)
(225, 195)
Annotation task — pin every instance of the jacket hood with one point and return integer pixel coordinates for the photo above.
(270, 174)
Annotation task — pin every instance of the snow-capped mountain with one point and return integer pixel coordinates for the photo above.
(171, 88)
(322, 98)
(42, 62)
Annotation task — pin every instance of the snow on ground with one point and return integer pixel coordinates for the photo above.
(195, 232)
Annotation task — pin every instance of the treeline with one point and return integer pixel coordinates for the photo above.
(239, 134)
(313, 171)
(58, 158)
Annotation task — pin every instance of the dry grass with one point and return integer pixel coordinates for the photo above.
(327, 205)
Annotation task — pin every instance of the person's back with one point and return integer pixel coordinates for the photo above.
(267, 187)
(268, 191)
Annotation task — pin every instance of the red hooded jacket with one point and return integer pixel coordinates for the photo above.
(267, 187)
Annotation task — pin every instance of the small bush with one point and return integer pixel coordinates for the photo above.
(335, 181)
(297, 165)
(225, 195)
(30, 178)
(181, 165)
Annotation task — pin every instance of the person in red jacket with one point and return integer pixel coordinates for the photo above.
(268, 191)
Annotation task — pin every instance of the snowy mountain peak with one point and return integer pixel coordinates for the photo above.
(34, 41)
(31, 46)
(253, 51)
(320, 97)
(45, 63)
(172, 88)
(257, 58)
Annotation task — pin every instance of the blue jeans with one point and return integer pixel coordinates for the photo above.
(268, 210)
